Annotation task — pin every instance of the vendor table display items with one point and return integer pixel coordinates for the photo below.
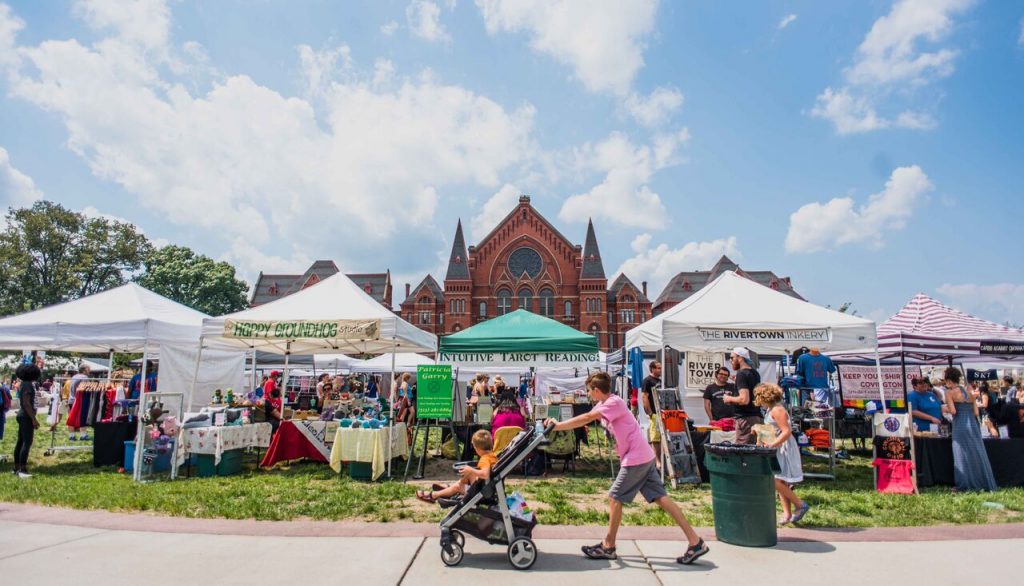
(298, 440)
(935, 460)
(375, 446)
(216, 440)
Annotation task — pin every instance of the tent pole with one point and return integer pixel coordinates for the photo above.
(881, 391)
(254, 379)
(195, 375)
(391, 429)
(903, 370)
(284, 379)
(137, 465)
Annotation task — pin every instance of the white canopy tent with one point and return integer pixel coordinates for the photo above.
(400, 362)
(734, 311)
(334, 315)
(124, 319)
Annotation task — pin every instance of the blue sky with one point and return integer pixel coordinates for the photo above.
(870, 150)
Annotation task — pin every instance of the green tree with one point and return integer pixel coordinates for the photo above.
(50, 254)
(178, 273)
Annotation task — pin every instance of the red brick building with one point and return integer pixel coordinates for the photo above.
(275, 286)
(526, 263)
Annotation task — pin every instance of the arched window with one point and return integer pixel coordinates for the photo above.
(504, 301)
(440, 319)
(425, 300)
(483, 309)
(547, 302)
(568, 308)
(525, 299)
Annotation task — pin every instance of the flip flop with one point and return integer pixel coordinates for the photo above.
(427, 497)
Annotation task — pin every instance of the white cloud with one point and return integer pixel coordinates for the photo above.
(142, 22)
(661, 263)
(656, 108)
(493, 211)
(372, 150)
(890, 52)
(891, 61)
(321, 68)
(816, 226)
(786, 21)
(16, 188)
(387, 29)
(602, 40)
(624, 196)
(1002, 302)
(250, 260)
(10, 24)
(424, 19)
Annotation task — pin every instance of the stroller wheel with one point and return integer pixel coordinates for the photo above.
(459, 538)
(522, 553)
(451, 555)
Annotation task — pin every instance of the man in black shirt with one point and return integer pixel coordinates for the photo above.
(647, 389)
(747, 413)
(714, 405)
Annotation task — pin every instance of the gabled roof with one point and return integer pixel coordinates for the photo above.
(525, 199)
(593, 268)
(621, 281)
(270, 287)
(431, 284)
(265, 283)
(318, 271)
(380, 284)
(684, 284)
(458, 261)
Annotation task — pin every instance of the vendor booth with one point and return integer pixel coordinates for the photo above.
(402, 362)
(734, 311)
(124, 319)
(335, 316)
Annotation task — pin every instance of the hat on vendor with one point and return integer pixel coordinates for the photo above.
(274, 374)
(741, 352)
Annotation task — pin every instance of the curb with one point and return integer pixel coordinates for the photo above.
(112, 521)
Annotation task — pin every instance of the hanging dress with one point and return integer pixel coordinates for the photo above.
(971, 467)
(792, 470)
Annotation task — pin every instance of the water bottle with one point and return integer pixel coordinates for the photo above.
(538, 428)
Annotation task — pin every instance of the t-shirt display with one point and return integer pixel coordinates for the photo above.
(926, 403)
(747, 378)
(815, 369)
(719, 408)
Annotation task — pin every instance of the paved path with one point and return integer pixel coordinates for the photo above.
(37, 548)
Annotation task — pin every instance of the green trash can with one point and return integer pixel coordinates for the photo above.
(743, 493)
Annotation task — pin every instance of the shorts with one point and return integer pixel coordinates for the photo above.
(642, 478)
(745, 429)
(653, 433)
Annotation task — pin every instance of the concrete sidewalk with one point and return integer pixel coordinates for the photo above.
(47, 553)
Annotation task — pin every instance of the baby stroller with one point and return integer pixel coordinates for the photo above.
(483, 511)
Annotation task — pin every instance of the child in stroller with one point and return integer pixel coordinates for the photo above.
(483, 445)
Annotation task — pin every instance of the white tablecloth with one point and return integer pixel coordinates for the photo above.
(217, 440)
(376, 446)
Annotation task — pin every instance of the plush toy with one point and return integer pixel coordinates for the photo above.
(170, 426)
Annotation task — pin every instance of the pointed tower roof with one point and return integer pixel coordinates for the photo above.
(458, 262)
(593, 268)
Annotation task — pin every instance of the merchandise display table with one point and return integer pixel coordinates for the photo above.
(935, 460)
(375, 446)
(217, 440)
(299, 439)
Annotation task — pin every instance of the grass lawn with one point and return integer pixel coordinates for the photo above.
(313, 491)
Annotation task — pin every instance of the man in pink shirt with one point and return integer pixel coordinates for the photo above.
(637, 474)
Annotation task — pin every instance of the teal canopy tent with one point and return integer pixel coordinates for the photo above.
(520, 338)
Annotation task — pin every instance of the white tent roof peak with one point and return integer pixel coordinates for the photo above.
(122, 318)
(335, 298)
(732, 302)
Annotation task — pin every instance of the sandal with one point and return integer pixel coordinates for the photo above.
(599, 552)
(799, 514)
(693, 553)
(427, 497)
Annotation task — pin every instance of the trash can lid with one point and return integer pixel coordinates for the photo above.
(731, 449)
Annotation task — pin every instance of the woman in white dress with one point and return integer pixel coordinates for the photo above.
(769, 397)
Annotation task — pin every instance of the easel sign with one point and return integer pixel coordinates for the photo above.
(434, 391)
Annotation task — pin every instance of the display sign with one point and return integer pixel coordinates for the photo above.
(91, 386)
(701, 368)
(434, 391)
(521, 359)
(738, 336)
(976, 376)
(860, 383)
(345, 329)
(1002, 348)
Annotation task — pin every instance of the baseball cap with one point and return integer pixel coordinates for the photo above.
(274, 373)
(741, 352)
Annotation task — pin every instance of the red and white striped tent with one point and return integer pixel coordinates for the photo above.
(927, 329)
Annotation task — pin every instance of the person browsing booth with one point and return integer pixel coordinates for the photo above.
(637, 473)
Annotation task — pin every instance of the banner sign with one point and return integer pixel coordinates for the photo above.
(520, 359)
(701, 369)
(345, 329)
(434, 391)
(1003, 348)
(860, 383)
(976, 376)
(805, 336)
